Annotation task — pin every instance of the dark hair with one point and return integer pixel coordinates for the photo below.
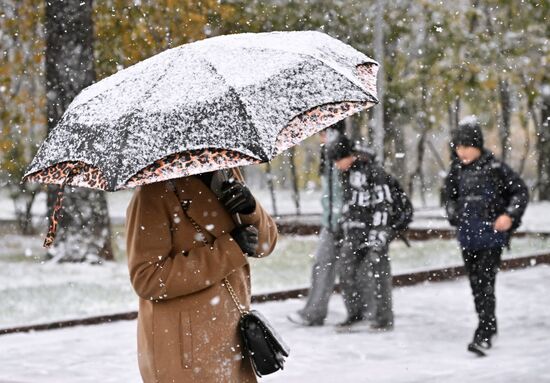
(340, 149)
(340, 127)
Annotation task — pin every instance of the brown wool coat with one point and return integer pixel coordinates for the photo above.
(187, 323)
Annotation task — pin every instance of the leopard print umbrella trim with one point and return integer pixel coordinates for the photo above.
(188, 163)
(367, 74)
(173, 166)
(88, 176)
(315, 120)
(323, 116)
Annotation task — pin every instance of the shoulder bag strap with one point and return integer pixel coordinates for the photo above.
(184, 208)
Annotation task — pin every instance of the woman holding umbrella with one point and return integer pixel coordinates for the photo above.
(184, 252)
(160, 126)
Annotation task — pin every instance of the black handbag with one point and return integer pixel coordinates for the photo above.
(264, 346)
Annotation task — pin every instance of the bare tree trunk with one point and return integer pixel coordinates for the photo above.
(505, 110)
(353, 125)
(450, 115)
(457, 110)
(399, 161)
(524, 120)
(544, 146)
(379, 55)
(454, 113)
(294, 179)
(84, 229)
(271, 188)
(23, 214)
(421, 147)
(418, 173)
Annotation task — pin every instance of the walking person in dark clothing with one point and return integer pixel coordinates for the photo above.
(375, 211)
(323, 272)
(485, 200)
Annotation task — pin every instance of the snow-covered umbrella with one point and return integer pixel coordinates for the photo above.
(217, 103)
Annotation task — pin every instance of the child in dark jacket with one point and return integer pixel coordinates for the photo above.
(375, 211)
(485, 200)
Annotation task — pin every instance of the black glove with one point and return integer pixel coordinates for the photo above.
(379, 239)
(246, 237)
(237, 198)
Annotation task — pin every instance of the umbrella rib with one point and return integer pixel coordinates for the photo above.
(326, 63)
(126, 132)
(263, 155)
(124, 80)
(371, 97)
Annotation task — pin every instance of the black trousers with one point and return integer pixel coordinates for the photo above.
(482, 267)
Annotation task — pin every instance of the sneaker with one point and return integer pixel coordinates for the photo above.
(351, 320)
(298, 319)
(381, 326)
(480, 348)
(480, 345)
(353, 324)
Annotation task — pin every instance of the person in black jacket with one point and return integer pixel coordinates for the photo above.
(485, 200)
(375, 211)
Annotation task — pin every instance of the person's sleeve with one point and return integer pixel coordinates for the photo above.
(450, 192)
(156, 272)
(516, 193)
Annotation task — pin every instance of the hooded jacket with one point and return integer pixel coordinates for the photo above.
(477, 193)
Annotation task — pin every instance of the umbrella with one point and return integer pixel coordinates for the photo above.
(217, 103)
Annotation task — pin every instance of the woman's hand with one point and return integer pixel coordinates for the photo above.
(247, 238)
(503, 223)
(237, 198)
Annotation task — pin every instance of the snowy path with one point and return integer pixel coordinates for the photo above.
(433, 324)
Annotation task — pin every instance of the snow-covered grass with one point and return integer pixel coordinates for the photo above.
(434, 322)
(290, 265)
(33, 291)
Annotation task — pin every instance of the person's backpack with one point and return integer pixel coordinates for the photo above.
(402, 209)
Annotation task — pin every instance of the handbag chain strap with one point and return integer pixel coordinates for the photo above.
(184, 207)
(234, 296)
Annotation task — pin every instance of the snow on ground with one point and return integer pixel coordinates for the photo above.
(434, 322)
(32, 291)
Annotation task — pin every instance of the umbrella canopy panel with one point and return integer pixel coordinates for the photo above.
(220, 102)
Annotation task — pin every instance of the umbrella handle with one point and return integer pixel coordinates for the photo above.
(237, 219)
